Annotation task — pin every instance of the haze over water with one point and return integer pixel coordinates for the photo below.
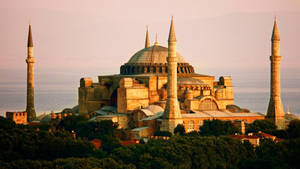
(251, 91)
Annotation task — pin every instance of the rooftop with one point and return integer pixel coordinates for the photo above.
(153, 54)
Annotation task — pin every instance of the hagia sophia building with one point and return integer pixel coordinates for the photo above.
(157, 90)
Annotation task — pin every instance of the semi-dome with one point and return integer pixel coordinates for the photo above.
(153, 54)
(153, 60)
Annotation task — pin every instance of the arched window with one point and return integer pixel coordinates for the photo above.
(181, 69)
(208, 104)
(127, 70)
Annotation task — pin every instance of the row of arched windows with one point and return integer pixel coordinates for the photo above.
(136, 69)
(20, 113)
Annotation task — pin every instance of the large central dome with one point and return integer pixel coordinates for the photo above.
(155, 54)
(153, 60)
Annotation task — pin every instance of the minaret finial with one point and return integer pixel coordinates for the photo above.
(172, 36)
(275, 34)
(156, 42)
(29, 42)
(147, 43)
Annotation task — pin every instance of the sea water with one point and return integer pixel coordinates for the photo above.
(250, 93)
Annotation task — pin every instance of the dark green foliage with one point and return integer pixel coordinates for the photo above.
(104, 130)
(281, 155)
(293, 129)
(186, 152)
(265, 125)
(68, 163)
(193, 133)
(110, 143)
(162, 133)
(26, 164)
(217, 128)
(6, 123)
(29, 144)
(25, 147)
(280, 134)
(123, 134)
(91, 130)
(30, 149)
(179, 129)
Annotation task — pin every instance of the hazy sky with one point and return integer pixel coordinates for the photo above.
(75, 38)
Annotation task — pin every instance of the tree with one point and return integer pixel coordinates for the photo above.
(30, 144)
(163, 133)
(71, 122)
(179, 129)
(293, 129)
(6, 123)
(74, 163)
(217, 128)
(124, 134)
(265, 125)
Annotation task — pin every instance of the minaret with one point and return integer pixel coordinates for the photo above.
(275, 109)
(30, 78)
(172, 114)
(147, 43)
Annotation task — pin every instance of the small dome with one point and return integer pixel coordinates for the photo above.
(153, 54)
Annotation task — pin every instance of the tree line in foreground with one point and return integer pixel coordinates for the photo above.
(25, 147)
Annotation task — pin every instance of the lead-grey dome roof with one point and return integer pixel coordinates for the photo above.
(153, 54)
(153, 60)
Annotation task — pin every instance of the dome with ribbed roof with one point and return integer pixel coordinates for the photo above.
(154, 54)
(153, 60)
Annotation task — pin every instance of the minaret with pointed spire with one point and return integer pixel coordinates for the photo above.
(172, 114)
(147, 43)
(31, 115)
(275, 109)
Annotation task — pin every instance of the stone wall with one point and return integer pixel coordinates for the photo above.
(131, 96)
